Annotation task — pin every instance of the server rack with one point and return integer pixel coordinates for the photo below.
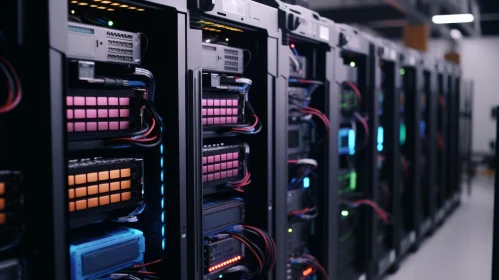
(428, 109)
(356, 74)
(441, 138)
(26, 43)
(411, 149)
(456, 191)
(306, 62)
(164, 222)
(452, 140)
(391, 110)
(240, 24)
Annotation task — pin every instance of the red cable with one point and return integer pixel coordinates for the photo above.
(263, 236)
(297, 212)
(383, 216)
(357, 91)
(146, 272)
(147, 264)
(260, 263)
(153, 124)
(323, 271)
(248, 128)
(8, 107)
(366, 128)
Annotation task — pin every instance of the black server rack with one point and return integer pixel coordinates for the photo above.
(452, 153)
(441, 140)
(389, 145)
(456, 191)
(31, 67)
(16, 252)
(359, 79)
(411, 150)
(307, 212)
(428, 109)
(91, 58)
(232, 88)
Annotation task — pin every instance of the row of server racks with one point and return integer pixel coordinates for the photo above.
(210, 139)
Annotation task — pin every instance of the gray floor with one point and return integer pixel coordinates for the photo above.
(462, 248)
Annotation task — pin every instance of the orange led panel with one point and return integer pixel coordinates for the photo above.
(81, 204)
(115, 186)
(71, 207)
(126, 196)
(126, 172)
(115, 174)
(3, 218)
(92, 177)
(2, 203)
(80, 179)
(126, 184)
(71, 180)
(103, 188)
(104, 200)
(91, 190)
(104, 175)
(93, 202)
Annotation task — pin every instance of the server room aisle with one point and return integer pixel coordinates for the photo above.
(462, 248)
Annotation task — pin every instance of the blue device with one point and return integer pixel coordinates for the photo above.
(101, 252)
(346, 141)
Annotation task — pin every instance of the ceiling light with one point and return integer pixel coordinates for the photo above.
(106, 2)
(74, 2)
(141, 10)
(456, 34)
(82, 4)
(115, 4)
(457, 18)
(101, 8)
(94, 6)
(109, 9)
(124, 6)
(132, 8)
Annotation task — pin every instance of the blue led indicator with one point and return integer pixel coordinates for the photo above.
(306, 182)
(381, 132)
(163, 244)
(161, 162)
(351, 142)
(161, 148)
(163, 216)
(380, 147)
(162, 203)
(162, 176)
(163, 189)
(163, 231)
(220, 276)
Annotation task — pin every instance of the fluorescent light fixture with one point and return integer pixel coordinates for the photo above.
(456, 34)
(457, 18)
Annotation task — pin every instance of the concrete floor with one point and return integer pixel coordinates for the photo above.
(462, 248)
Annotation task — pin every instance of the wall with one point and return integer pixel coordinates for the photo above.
(480, 63)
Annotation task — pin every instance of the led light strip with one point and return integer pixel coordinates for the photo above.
(224, 264)
(162, 177)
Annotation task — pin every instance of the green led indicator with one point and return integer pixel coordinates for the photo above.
(402, 134)
(352, 64)
(290, 230)
(402, 71)
(344, 213)
(353, 180)
(110, 23)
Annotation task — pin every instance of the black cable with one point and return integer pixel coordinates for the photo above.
(145, 276)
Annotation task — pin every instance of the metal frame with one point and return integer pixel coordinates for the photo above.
(353, 41)
(390, 52)
(412, 118)
(429, 179)
(328, 199)
(259, 18)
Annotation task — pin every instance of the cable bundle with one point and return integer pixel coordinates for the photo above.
(381, 214)
(140, 273)
(14, 88)
(246, 180)
(309, 260)
(261, 246)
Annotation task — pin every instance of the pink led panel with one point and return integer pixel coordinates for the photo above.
(90, 113)
(220, 166)
(220, 111)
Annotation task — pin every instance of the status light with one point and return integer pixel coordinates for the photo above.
(224, 264)
(290, 230)
(352, 64)
(344, 213)
(306, 182)
(307, 271)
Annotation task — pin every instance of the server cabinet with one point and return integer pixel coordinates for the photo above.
(308, 101)
(455, 191)
(356, 74)
(391, 112)
(30, 46)
(230, 43)
(411, 149)
(48, 99)
(441, 139)
(428, 108)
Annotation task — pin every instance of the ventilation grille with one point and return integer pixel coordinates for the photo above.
(230, 68)
(120, 44)
(119, 57)
(229, 51)
(119, 35)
